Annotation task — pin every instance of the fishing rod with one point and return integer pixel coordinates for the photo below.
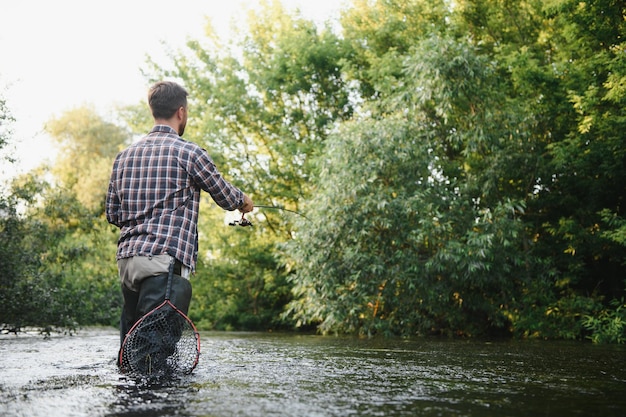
(245, 222)
(281, 208)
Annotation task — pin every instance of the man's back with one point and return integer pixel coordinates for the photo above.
(154, 195)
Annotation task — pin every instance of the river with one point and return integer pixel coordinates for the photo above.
(259, 374)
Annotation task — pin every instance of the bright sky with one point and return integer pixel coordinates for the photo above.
(56, 55)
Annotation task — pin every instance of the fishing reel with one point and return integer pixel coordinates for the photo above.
(243, 222)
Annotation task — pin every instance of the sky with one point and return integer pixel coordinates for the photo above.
(62, 54)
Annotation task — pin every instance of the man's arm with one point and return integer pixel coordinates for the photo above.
(112, 206)
(112, 203)
(207, 176)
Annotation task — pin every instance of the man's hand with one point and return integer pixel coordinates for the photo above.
(248, 205)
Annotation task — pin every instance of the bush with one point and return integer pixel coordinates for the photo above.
(609, 325)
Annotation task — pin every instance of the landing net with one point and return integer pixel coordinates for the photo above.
(163, 342)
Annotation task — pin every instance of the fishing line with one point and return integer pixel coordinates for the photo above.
(281, 208)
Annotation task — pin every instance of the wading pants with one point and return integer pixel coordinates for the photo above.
(143, 286)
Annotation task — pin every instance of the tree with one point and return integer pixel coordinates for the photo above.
(22, 289)
(87, 146)
(6, 122)
(31, 292)
(379, 34)
(63, 273)
(564, 58)
(460, 166)
(429, 239)
(83, 254)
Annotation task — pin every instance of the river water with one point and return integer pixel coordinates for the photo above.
(255, 374)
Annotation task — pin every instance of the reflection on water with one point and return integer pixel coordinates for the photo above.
(141, 398)
(286, 375)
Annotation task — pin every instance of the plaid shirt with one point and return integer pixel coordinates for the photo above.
(154, 195)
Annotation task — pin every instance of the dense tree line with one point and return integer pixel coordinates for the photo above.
(450, 168)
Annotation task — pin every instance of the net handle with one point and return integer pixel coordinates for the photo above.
(170, 276)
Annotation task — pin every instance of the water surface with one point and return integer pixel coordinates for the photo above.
(253, 374)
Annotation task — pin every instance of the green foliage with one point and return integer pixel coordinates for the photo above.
(44, 281)
(490, 120)
(27, 295)
(380, 33)
(586, 155)
(59, 270)
(87, 145)
(609, 325)
(136, 119)
(461, 168)
(546, 315)
(265, 110)
(6, 123)
(430, 244)
(350, 246)
(239, 284)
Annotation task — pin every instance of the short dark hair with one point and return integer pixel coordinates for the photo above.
(165, 98)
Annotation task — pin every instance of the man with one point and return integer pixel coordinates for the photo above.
(154, 196)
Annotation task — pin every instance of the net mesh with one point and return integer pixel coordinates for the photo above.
(163, 342)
